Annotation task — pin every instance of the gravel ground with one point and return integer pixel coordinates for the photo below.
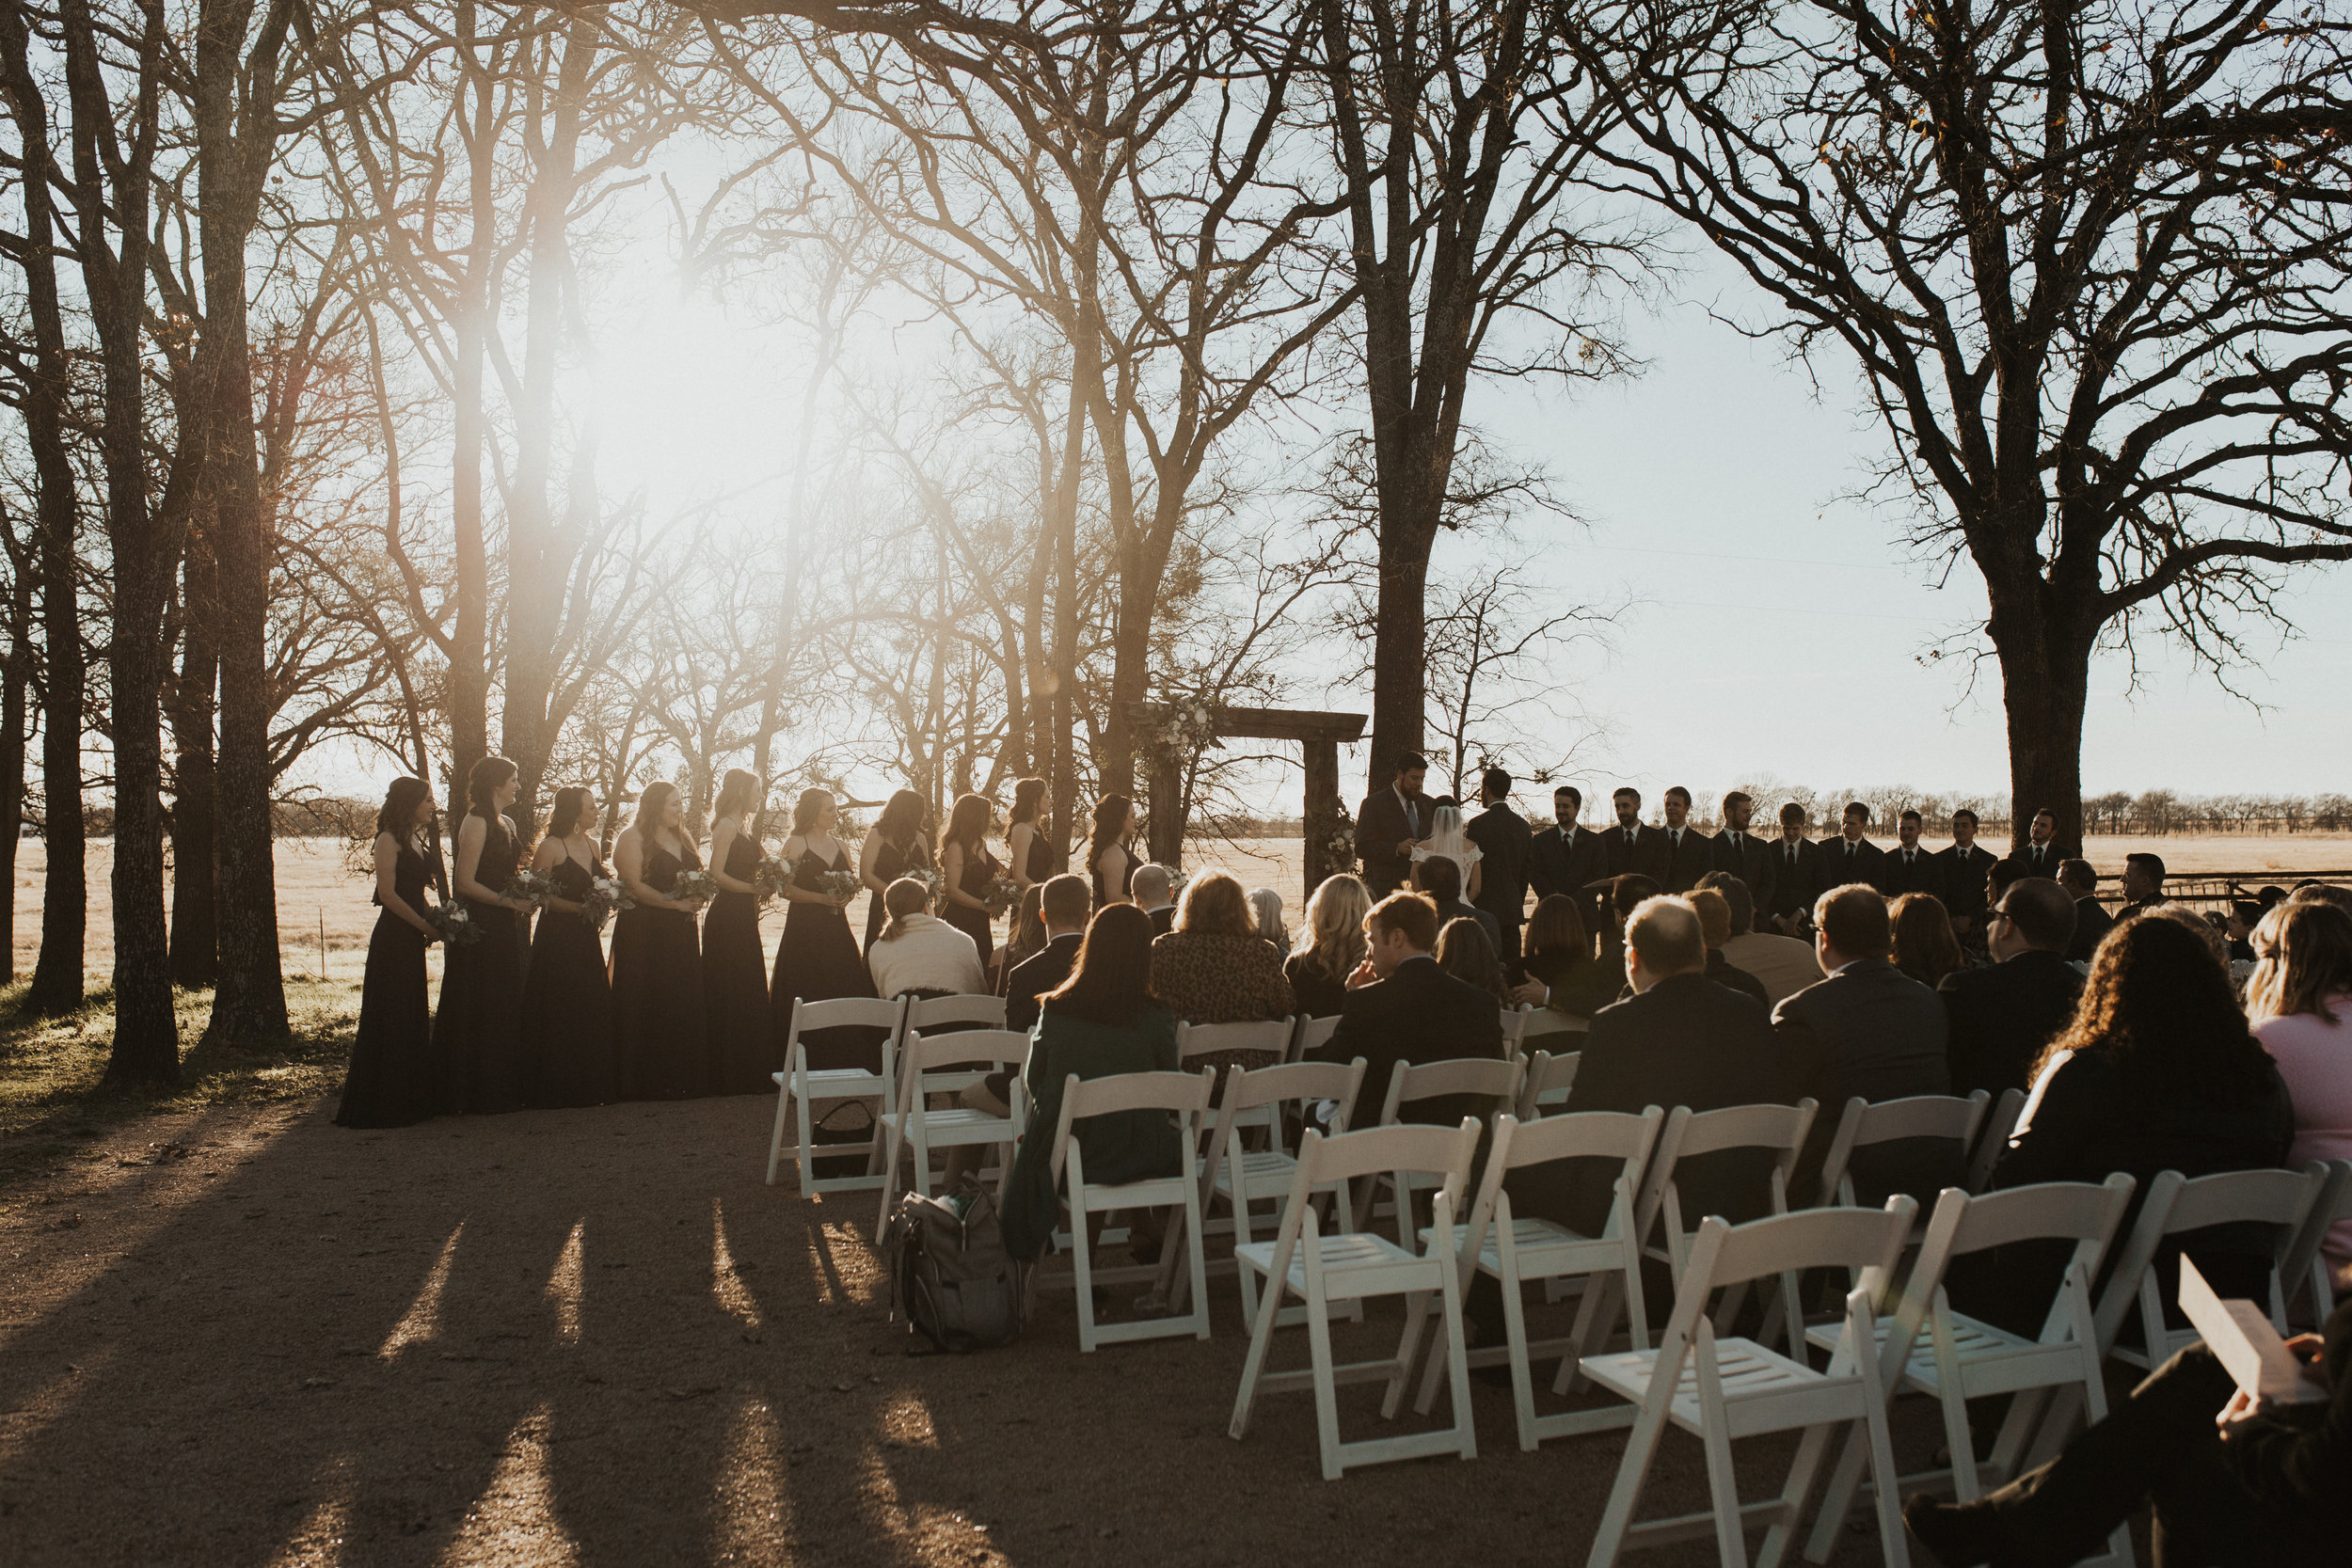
(249, 1336)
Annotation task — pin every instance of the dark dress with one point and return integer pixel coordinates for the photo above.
(735, 981)
(477, 1032)
(568, 1052)
(1126, 876)
(389, 1082)
(816, 960)
(979, 869)
(1041, 856)
(1318, 995)
(891, 863)
(659, 1025)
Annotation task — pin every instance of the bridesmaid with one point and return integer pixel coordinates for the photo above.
(389, 1082)
(817, 957)
(965, 869)
(894, 847)
(735, 977)
(477, 1033)
(657, 1021)
(1028, 846)
(569, 1055)
(1108, 857)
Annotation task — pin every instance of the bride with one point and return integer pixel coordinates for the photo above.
(1447, 839)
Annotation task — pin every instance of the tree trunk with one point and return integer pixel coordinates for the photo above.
(1400, 667)
(2045, 686)
(469, 634)
(13, 682)
(1063, 689)
(195, 918)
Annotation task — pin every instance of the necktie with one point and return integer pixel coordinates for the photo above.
(1792, 854)
(1678, 838)
(1629, 838)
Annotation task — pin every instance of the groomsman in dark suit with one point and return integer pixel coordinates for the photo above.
(1849, 857)
(1910, 868)
(1389, 825)
(2092, 920)
(2143, 884)
(1687, 854)
(1566, 859)
(1633, 848)
(1739, 853)
(1796, 874)
(1505, 849)
(2043, 853)
(1967, 864)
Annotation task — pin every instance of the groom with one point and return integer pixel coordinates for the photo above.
(1390, 822)
(1505, 846)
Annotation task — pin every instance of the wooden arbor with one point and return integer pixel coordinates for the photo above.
(1319, 735)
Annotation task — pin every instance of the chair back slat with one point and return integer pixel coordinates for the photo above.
(1547, 1073)
(1246, 1089)
(2245, 1196)
(1781, 1128)
(1923, 1115)
(967, 1007)
(2068, 1211)
(1182, 1092)
(925, 1053)
(1514, 1028)
(1311, 1033)
(1198, 1039)
(1496, 1078)
(845, 1012)
(1598, 1135)
(2304, 1264)
(1867, 1238)
(1993, 1142)
(1406, 1147)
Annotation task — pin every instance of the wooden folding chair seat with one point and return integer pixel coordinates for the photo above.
(1721, 1389)
(1317, 1270)
(1184, 1096)
(1549, 1079)
(1993, 1141)
(934, 1064)
(1928, 1348)
(797, 1087)
(1488, 1077)
(1239, 1177)
(1513, 1251)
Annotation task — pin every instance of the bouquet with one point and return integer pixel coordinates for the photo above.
(928, 876)
(528, 888)
(768, 881)
(1002, 895)
(694, 888)
(607, 897)
(453, 925)
(839, 884)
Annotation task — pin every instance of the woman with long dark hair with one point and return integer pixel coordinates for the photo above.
(477, 1031)
(965, 869)
(1559, 964)
(1029, 848)
(1109, 859)
(734, 971)
(569, 1053)
(1926, 946)
(817, 957)
(658, 1023)
(390, 1081)
(894, 847)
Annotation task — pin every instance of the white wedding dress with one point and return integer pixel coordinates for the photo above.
(1447, 839)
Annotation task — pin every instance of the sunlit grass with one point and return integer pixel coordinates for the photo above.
(53, 1100)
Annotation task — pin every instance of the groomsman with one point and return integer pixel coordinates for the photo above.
(1633, 849)
(1852, 858)
(1504, 846)
(1739, 853)
(2043, 854)
(1390, 823)
(1565, 858)
(1910, 868)
(1796, 872)
(1967, 866)
(1688, 854)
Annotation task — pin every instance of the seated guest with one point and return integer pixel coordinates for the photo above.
(1149, 889)
(920, 953)
(1464, 952)
(2004, 1014)
(2300, 1001)
(2321, 892)
(1910, 868)
(1714, 913)
(1624, 894)
(1213, 967)
(2092, 920)
(2237, 1482)
(1103, 1020)
(1926, 947)
(1562, 972)
(1063, 904)
(1266, 907)
(2003, 873)
(2158, 1071)
(1334, 945)
(1785, 965)
(1867, 1029)
(1441, 880)
(1402, 1007)
(2143, 883)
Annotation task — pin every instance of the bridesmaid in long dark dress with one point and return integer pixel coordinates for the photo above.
(894, 847)
(659, 1024)
(477, 1032)
(1108, 857)
(569, 1053)
(390, 1081)
(1028, 848)
(965, 869)
(735, 972)
(817, 957)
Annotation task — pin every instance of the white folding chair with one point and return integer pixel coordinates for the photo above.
(2305, 1267)
(1272, 1037)
(1318, 1270)
(1993, 1142)
(1512, 1251)
(1778, 1131)
(937, 1064)
(1490, 1078)
(1942, 1117)
(1242, 1176)
(1515, 1020)
(1182, 1095)
(2281, 1198)
(1310, 1034)
(1962, 1359)
(1549, 1079)
(1720, 1389)
(796, 1085)
(966, 1010)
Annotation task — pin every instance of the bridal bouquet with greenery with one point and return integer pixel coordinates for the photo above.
(694, 888)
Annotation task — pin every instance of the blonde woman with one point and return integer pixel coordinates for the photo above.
(1331, 947)
(2300, 1002)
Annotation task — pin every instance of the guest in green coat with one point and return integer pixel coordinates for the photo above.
(1103, 1020)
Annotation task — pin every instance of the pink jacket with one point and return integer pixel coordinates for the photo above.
(2314, 1056)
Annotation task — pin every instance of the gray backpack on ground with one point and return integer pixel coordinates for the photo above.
(950, 1278)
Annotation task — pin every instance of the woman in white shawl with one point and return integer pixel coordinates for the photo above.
(1449, 840)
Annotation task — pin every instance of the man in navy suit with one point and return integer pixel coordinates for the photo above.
(1796, 875)
(1630, 845)
(1566, 859)
(1685, 854)
(1742, 854)
(1851, 856)
(1911, 868)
